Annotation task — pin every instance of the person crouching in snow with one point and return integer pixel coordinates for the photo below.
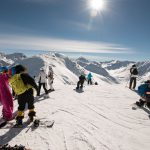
(22, 84)
(144, 92)
(81, 81)
(42, 80)
(5, 97)
(50, 78)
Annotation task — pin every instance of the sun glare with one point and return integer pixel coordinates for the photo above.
(97, 4)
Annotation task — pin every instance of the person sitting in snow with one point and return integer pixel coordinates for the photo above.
(5, 97)
(134, 73)
(50, 78)
(42, 80)
(22, 84)
(89, 77)
(144, 92)
(80, 83)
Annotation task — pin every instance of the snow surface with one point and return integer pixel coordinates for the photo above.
(100, 118)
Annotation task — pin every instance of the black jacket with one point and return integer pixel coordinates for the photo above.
(27, 79)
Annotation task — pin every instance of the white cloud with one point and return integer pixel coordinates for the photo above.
(64, 45)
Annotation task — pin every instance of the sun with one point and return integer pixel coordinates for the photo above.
(97, 5)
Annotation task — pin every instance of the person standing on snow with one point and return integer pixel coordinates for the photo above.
(5, 97)
(134, 73)
(42, 80)
(22, 84)
(81, 81)
(89, 77)
(50, 78)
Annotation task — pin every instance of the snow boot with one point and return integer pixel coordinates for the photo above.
(18, 122)
(140, 103)
(31, 115)
(36, 123)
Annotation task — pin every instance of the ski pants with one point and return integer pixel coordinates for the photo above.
(26, 98)
(90, 81)
(80, 84)
(6, 101)
(132, 84)
(44, 87)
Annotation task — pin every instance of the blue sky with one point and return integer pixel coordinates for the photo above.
(120, 30)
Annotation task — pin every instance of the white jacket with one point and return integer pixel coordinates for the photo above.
(42, 77)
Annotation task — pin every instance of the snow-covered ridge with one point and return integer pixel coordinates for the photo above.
(100, 118)
(4, 61)
(16, 56)
(110, 71)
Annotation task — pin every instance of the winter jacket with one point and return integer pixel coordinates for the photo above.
(89, 76)
(82, 78)
(42, 77)
(22, 82)
(133, 72)
(144, 88)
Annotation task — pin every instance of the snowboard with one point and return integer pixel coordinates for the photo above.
(33, 125)
(80, 90)
(49, 91)
(45, 96)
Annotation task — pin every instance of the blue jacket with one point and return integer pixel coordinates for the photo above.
(142, 89)
(89, 76)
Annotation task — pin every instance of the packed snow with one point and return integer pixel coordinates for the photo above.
(98, 118)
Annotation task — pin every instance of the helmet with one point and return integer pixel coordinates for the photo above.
(3, 69)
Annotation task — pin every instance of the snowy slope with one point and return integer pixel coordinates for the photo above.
(4, 61)
(100, 118)
(121, 70)
(65, 69)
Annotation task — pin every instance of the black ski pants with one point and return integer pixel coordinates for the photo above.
(90, 81)
(26, 97)
(80, 84)
(44, 87)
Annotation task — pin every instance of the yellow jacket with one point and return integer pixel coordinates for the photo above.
(17, 84)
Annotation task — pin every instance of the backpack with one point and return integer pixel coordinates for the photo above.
(134, 71)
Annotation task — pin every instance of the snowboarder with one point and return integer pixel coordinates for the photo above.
(5, 97)
(144, 92)
(133, 76)
(42, 80)
(50, 78)
(22, 84)
(89, 78)
(81, 81)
